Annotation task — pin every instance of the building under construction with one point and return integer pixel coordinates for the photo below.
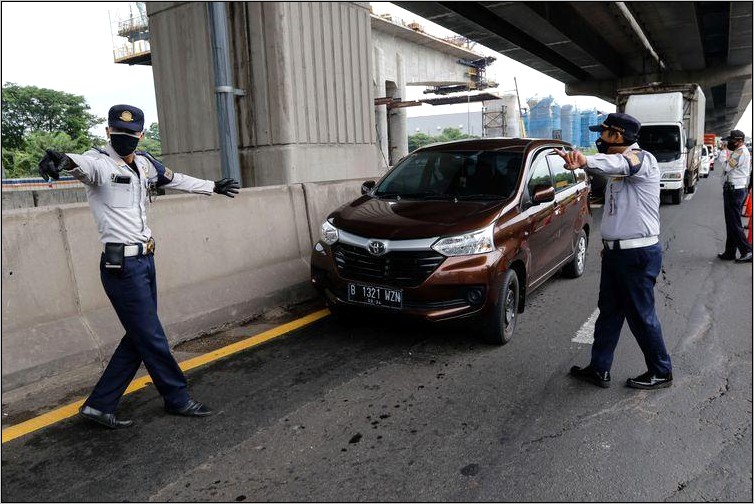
(130, 34)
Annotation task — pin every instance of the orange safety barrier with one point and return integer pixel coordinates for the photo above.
(746, 212)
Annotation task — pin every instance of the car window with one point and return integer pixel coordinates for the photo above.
(540, 173)
(456, 174)
(562, 178)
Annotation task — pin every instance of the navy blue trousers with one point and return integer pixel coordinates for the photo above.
(735, 236)
(133, 294)
(627, 294)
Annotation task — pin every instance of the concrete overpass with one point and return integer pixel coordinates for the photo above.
(598, 47)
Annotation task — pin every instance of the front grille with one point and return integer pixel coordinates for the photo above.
(404, 269)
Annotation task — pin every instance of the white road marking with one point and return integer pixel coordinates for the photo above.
(689, 196)
(596, 205)
(585, 334)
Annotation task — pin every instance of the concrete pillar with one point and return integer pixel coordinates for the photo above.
(380, 111)
(397, 116)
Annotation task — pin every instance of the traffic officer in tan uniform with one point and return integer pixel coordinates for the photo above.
(118, 180)
(632, 255)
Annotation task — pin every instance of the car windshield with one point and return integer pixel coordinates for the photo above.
(469, 175)
(664, 142)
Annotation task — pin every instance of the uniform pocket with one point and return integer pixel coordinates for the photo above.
(119, 195)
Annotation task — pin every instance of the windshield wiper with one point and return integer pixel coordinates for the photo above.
(480, 197)
(415, 195)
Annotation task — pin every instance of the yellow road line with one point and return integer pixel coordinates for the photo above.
(72, 409)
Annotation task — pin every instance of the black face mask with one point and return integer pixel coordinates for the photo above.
(732, 144)
(603, 147)
(123, 144)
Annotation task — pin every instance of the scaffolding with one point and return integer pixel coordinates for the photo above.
(130, 34)
(476, 74)
(494, 121)
(570, 122)
(543, 118)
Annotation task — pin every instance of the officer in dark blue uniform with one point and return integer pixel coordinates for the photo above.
(632, 254)
(118, 180)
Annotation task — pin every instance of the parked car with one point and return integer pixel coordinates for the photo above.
(459, 229)
(706, 160)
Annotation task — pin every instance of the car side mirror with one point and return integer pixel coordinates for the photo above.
(367, 186)
(543, 194)
(690, 143)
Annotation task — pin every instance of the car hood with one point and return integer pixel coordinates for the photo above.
(370, 217)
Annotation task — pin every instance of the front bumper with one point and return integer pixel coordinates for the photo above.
(671, 185)
(459, 287)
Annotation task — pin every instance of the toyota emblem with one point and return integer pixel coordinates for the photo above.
(376, 248)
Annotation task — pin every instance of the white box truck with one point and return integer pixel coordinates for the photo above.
(672, 129)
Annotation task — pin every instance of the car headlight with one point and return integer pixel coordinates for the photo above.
(672, 176)
(476, 242)
(328, 233)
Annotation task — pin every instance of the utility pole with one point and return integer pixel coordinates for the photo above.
(224, 91)
(520, 116)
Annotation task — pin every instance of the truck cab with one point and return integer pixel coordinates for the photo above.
(672, 122)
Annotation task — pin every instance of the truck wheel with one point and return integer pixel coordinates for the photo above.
(675, 196)
(499, 325)
(575, 268)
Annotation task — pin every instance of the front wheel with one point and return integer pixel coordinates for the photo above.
(501, 323)
(675, 196)
(575, 268)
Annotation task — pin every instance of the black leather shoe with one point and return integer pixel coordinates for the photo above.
(726, 257)
(106, 419)
(744, 259)
(588, 374)
(192, 408)
(650, 381)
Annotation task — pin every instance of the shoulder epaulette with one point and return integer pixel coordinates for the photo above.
(635, 158)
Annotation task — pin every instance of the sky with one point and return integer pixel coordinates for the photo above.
(68, 46)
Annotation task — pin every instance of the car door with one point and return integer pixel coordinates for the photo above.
(568, 204)
(542, 227)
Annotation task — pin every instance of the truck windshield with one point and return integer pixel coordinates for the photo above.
(664, 142)
(479, 175)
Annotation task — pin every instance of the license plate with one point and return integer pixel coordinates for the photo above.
(374, 295)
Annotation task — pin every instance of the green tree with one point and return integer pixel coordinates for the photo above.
(23, 162)
(151, 141)
(26, 109)
(35, 119)
(419, 140)
(447, 135)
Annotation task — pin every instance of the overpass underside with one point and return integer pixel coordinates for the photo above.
(596, 48)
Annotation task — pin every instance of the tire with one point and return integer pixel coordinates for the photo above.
(676, 196)
(500, 325)
(575, 268)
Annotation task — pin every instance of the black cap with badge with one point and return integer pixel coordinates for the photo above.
(623, 123)
(735, 135)
(126, 117)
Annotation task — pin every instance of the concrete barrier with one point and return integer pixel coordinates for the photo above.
(219, 261)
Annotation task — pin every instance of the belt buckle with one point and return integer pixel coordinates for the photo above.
(150, 246)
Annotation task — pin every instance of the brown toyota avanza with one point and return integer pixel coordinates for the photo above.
(460, 229)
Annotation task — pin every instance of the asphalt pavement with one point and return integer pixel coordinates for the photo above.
(389, 410)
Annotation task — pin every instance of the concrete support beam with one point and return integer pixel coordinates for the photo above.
(606, 89)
